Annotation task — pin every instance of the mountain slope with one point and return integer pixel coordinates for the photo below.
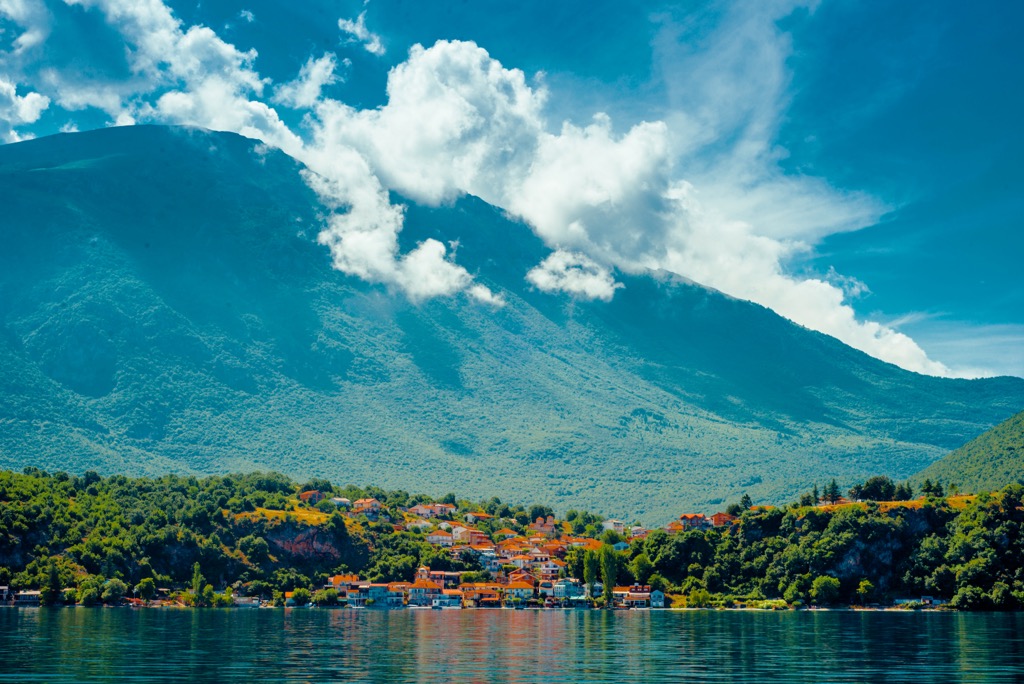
(164, 306)
(986, 463)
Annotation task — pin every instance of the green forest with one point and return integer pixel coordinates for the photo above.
(89, 539)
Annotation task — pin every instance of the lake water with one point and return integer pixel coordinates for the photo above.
(304, 645)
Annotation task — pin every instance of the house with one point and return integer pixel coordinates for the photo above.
(341, 583)
(519, 590)
(722, 519)
(481, 595)
(312, 497)
(505, 533)
(633, 596)
(674, 527)
(423, 592)
(397, 593)
(476, 517)
(449, 598)
(657, 598)
(614, 525)
(546, 526)
(419, 524)
(550, 569)
(341, 502)
(368, 506)
(568, 587)
(423, 511)
(5, 594)
(694, 521)
(245, 601)
(621, 546)
(27, 598)
(440, 538)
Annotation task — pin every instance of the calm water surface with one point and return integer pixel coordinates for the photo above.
(302, 645)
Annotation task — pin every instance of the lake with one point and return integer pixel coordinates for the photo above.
(104, 644)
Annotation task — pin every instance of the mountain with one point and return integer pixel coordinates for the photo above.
(164, 306)
(988, 462)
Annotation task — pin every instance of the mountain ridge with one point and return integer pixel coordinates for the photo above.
(165, 307)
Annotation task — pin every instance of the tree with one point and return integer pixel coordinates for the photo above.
(609, 571)
(590, 570)
(864, 590)
(746, 503)
(832, 493)
(903, 492)
(197, 581)
(825, 590)
(146, 589)
(114, 590)
(877, 488)
(301, 596)
(50, 592)
(641, 567)
(89, 591)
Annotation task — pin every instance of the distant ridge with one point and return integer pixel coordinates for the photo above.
(164, 307)
(988, 462)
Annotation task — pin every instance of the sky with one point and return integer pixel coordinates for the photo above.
(852, 166)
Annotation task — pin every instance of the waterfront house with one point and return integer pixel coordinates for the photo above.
(657, 598)
(449, 598)
(27, 598)
(423, 592)
(633, 596)
(481, 595)
(520, 590)
(397, 594)
(568, 587)
(5, 594)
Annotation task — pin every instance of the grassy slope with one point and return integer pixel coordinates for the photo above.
(165, 307)
(987, 463)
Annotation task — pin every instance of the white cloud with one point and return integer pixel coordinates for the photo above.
(575, 274)
(700, 194)
(304, 92)
(458, 122)
(357, 30)
(34, 19)
(17, 110)
(247, 15)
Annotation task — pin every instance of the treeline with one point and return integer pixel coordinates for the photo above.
(968, 551)
(89, 539)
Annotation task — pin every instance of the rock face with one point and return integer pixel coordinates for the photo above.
(164, 306)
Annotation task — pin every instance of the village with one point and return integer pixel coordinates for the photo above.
(526, 569)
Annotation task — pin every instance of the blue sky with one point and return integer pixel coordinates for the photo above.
(853, 166)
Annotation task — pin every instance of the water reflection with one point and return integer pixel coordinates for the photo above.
(81, 644)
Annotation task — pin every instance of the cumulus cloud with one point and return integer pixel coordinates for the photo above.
(304, 92)
(458, 122)
(359, 33)
(575, 274)
(16, 110)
